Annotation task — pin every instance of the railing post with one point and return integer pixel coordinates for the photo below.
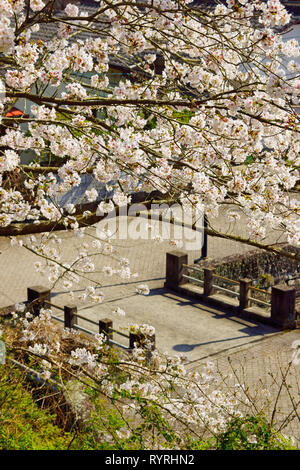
(70, 312)
(204, 246)
(105, 327)
(208, 281)
(37, 296)
(244, 292)
(139, 339)
(283, 301)
(174, 269)
(133, 338)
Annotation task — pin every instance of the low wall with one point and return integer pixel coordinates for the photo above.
(265, 268)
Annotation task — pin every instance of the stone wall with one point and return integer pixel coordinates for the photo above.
(265, 268)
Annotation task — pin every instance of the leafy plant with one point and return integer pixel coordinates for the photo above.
(23, 426)
(251, 433)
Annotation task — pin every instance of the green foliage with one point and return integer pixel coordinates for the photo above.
(249, 159)
(23, 426)
(251, 433)
(265, 280)
(151, 124)
(184, 116)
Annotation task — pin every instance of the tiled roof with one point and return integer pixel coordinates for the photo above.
(77, 196)
(48, 31)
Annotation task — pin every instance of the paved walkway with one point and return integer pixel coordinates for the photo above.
(270, 377)
(183, 325)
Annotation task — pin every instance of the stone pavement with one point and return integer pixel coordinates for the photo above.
(271, 366)
(183, 325)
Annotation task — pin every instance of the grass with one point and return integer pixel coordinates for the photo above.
(23, 425)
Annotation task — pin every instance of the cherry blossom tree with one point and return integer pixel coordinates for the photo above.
(206, 116)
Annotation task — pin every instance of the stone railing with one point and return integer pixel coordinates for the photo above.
(39, 297)
(277, 308)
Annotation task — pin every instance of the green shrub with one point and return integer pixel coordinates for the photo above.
(23, 426)
(251, 433)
